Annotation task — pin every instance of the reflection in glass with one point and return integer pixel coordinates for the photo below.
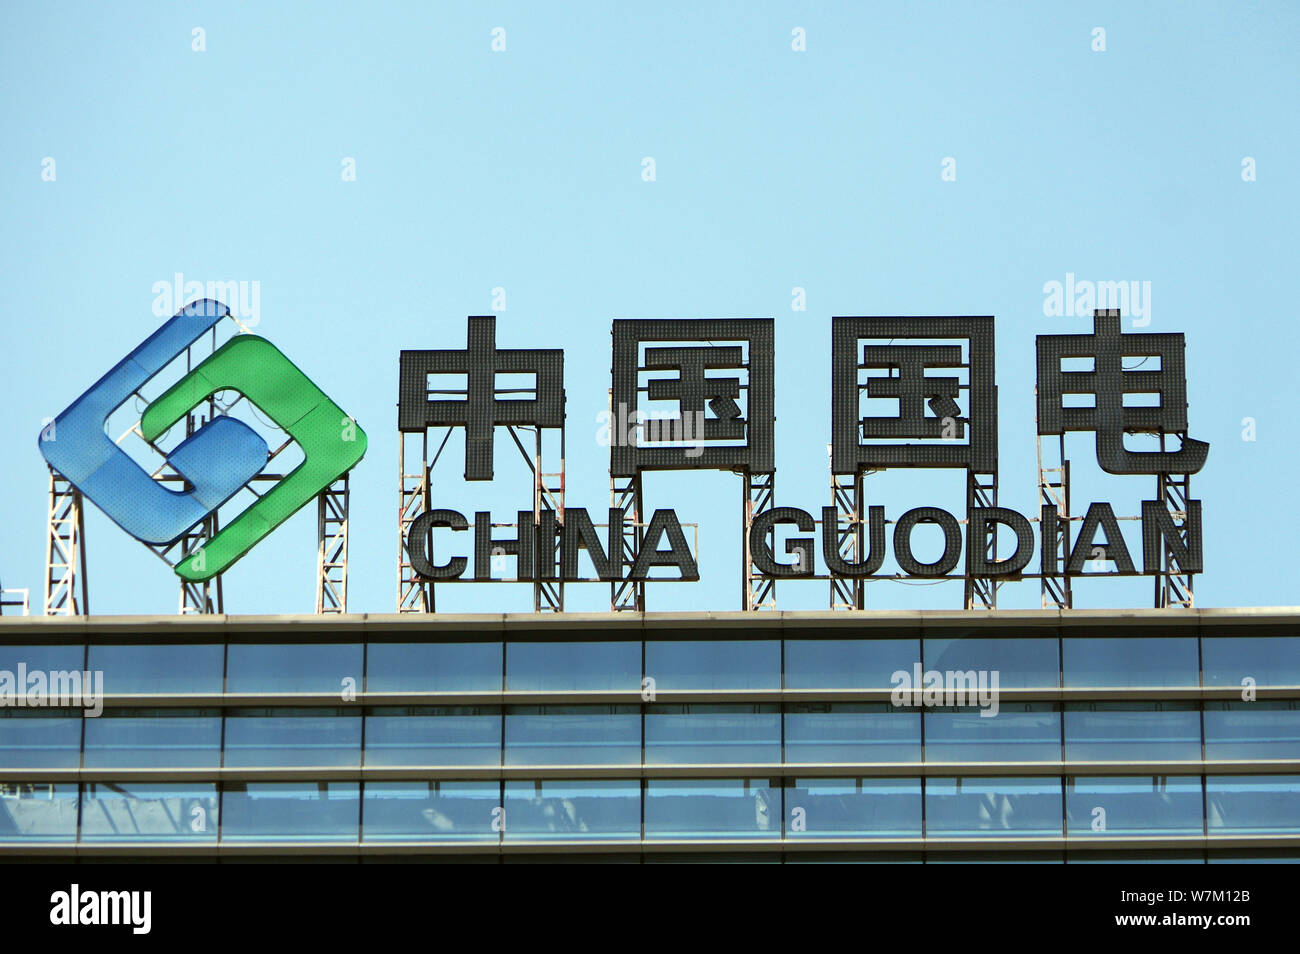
(573, 809)
(147, 811)
(832, 807)
(714, 664)
(1268, 660)
(40, 738)
(1019, 732)
(1266, 729)
(1261, 804)
(433, 667)
(1144, 805)
(703, 808)
(156, 668)
(847, 663)
(293, 736)
(38, 811)
(992, 806)
(433, 735)
(1132, 731)
(712, 733)
(308, 811)
(293, 667)
(1131, 661)
(573, 735)
(1020, 662)
(573, 667)
(851, 732)
(154, 738)
(431, 811)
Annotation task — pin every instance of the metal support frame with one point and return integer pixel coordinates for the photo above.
(848, 593)
(15, 597)
(332, 547)
(548, 496)
(625, 494)
(198, 598)
(1054, 490)
(414, 593)
(982, 491)
(760, 492)
(1173, 587)
(65, 550)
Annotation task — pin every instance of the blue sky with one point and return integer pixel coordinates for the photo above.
(522, 169)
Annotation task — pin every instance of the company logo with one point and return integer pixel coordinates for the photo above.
(217, 460)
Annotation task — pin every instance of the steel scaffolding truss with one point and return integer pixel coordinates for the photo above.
(65, 550)
(1054, 541)
(625, 494)
(414, 592)
(848, 593)
(15, 598)
(982, 491)
(203, 597)
(332, 548)
(760, 494)
(548, 519)
(1173, 586)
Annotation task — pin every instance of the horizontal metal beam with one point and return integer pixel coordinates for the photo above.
(774, 843)
(792, 770)
(451, 627)
(518, 697)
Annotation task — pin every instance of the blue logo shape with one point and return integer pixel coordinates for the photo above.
(218, 459)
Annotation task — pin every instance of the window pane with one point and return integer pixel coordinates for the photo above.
(148, 811)
(1019, 661)
(297, 667)
(431, 811)
(1269, 660)
(720, 664)
(433, 667)
(38, 811)
(40, 738)
(1252, 730)
(851, 732)
(1016, 732)
(1144, 805)
(154, 738)
(1261, 804)
(573, 667)
(819, 808)
(433, 735)
(691, 808)
(712, 733)
(45, 659)
(1131, 661)
(306, 811)
(847, 663)
(1132, 731)
(159, 669)
(577, 809)
(292, 736)
(992, 806)
(573, 735)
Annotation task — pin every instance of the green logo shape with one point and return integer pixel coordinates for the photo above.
(332, 443)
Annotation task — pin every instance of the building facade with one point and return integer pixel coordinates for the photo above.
(1036, 736)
